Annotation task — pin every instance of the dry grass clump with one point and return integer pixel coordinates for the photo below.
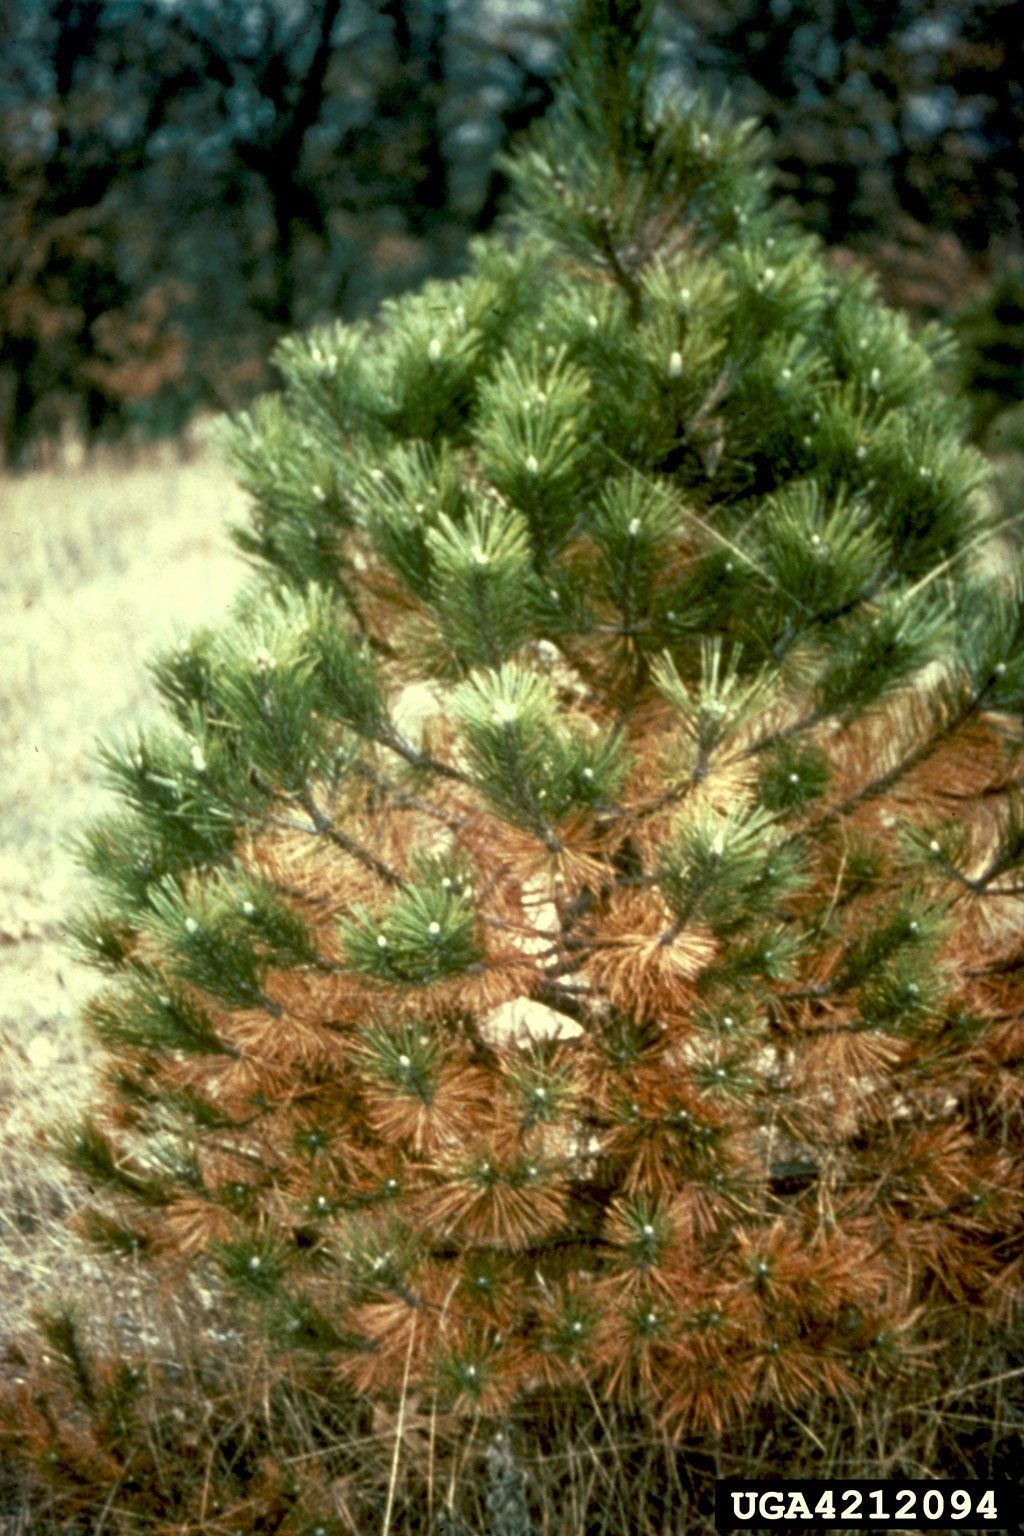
(184, 1435)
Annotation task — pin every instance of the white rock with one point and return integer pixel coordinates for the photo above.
(524, 1022)
(412, 709)
(42, 1051)
(541, 915)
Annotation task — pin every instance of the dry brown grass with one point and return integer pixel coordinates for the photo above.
(217, 1445)
(99, 565)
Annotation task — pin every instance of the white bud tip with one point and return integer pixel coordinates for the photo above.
(675, 365)
(382, 942)
(876, 378)
(198, 758)
(434, 349)
(532, 466)
(769, 274)
(404, 1062)
(647, 1229)
(634, 527)
(934, 847)
(191, 926)
(248, 908)
(794, 778)
(434, 929)
(480, 556)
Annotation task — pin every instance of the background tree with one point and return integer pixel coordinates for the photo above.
(76, 121)
(185, 183)
(908, 111)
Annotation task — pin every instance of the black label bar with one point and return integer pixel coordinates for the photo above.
(863, 1505)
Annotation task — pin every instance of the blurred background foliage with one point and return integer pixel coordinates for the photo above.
(181, 181)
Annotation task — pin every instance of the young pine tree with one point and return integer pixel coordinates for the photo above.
(566, 937)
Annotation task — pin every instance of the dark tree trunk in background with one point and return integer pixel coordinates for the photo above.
(291, 85)
(17, 355)
(397, 12)
(530, 102)
(281, 309)
(430, 194)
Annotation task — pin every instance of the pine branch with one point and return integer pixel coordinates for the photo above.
(325, 827)
(913, 759)
(401, 800)
(421, 760)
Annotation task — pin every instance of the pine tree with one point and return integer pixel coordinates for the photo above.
(565, 937)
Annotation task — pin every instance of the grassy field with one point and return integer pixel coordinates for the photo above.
(99, 565)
